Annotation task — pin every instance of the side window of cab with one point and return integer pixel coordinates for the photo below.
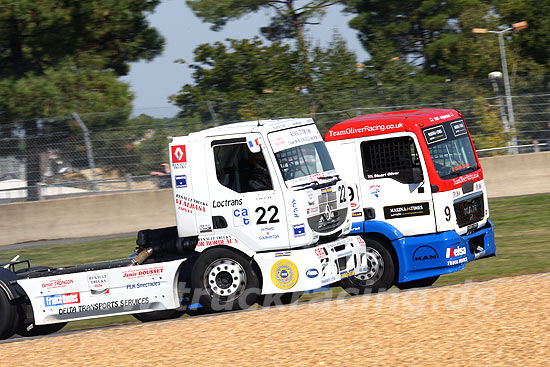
(395, 158)
(240, 170)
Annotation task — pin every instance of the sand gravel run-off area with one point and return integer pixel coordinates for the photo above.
(503, 322)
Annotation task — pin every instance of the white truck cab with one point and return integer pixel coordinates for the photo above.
(266, 190)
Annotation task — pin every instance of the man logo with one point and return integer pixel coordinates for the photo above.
(424, 253)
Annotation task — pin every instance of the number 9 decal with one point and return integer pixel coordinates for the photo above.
(448, 214)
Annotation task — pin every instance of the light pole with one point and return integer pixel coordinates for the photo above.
(500, 34)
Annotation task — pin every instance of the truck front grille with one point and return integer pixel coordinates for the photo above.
(327, 222)
(469, 211)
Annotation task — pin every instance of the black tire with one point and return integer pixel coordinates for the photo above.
(279, 299)
(9, 317)
(419, 283)
(158, 315)
(380, 276)
(37, 330)
(225, 280)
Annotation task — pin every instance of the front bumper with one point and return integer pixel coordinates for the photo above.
(442, 253)
(312, 268)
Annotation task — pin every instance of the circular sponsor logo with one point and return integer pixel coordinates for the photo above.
(284, 274)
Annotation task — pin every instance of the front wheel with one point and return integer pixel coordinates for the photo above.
(225, 279)
(419, 283)
(380, 274)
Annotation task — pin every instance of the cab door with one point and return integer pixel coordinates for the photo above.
(394, 182)
(246, 199)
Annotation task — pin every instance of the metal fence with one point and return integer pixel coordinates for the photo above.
(76, 155)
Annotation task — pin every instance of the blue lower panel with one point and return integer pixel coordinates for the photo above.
(442, 253)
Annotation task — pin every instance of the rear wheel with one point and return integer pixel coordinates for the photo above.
(419, 283)
(225, 279)
(158, 315)
(36, 330)
(380, 275)
(9, 317)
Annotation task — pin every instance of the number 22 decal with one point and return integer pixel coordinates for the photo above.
(263, 211)
(342, 193)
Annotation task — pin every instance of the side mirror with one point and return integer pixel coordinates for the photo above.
(253, 144)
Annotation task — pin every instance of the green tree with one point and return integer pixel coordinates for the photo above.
(247, 79)
(52, 57)
(289, 19)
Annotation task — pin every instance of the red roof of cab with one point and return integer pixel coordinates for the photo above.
(389, 122)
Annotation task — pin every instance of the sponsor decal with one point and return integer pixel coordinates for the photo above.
(455, 251)
(179, 156)
(328, 280)
(216, 240)
(468, 177)
(326, 190)
(226, 203)
(320, 252)
(346, 274)
(457, 193)
(139, 273)
(312, 273)
(435, 134)
(364, 129)
(424, 253)
(457, 262)
(98, 284)
(299, 230)
(389, 174)
(205, 228)
(190, 205)
(361, 241)
(441, 117)
(356, 214)
(267, 234)
(460, 167)
(406, 210)
(181, 181)
(57, 283)
(142, 285)
(375, 189)
(241, 217)
(62, 299)
(295, 208)
(478, 186)
(458, 128)
(281, 254)
(347, 253)
(284, 274)
(100, 306)
(285, 139)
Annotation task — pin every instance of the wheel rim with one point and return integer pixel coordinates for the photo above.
(224, 279)
(376, 268)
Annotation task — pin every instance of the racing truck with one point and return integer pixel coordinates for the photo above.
(423, 208)
(261, 214)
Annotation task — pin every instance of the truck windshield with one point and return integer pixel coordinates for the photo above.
(301, 154)
(450, 148)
